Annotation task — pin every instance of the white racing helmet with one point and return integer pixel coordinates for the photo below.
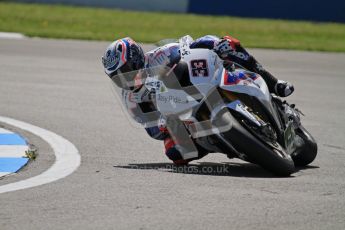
(121, 57)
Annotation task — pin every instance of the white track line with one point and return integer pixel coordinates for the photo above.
(8, 35)
(5, 131)
(3, 174)
(13, 150)
(67, 158)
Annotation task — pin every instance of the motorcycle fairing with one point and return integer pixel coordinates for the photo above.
(241, 108)
(243, 81)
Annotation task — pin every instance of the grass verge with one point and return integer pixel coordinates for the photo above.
(55, 21)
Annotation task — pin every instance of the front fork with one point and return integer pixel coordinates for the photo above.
(290, 117)
(280, 119)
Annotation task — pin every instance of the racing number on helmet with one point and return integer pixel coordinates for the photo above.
(199, 68)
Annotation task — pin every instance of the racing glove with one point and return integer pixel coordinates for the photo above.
(222, 48)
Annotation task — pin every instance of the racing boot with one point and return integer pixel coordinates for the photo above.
(283, 88)
(173, 153)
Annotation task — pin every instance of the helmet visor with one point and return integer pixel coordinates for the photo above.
(125, 77)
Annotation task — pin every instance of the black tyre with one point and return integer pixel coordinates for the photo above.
(271, 159)
(308, 153)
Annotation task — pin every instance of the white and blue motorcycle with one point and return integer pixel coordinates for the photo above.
(228, 110)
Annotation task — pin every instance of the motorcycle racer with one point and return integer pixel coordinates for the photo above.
(125, 55)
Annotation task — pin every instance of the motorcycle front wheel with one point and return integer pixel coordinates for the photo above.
(308, 152)
(272, 159)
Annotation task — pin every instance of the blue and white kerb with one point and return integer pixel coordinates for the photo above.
(12, 152)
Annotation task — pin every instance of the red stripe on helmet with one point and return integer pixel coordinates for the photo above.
(124, 49)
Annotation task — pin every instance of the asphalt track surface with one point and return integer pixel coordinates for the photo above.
(60, 86)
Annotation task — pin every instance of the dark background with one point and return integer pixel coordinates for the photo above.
(314, 10)
(311, 10)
